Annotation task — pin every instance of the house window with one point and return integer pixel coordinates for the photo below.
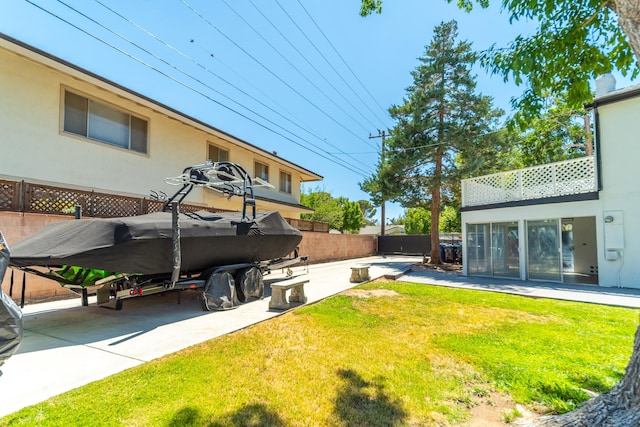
(94, 120)
(285, 182)
(261, 171)
(217, 154)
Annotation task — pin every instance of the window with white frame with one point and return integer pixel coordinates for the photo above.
(285, 182)
(261, 171)
(100, 122)
(218, 154)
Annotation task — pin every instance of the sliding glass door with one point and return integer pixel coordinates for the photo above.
(492, 249)
(478, 249)
(544, 252)
(504, 249)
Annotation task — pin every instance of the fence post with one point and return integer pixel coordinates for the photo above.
(24, 196)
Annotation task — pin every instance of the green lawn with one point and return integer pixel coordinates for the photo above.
(401, 354)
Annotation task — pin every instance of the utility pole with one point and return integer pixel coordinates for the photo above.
(381, 135)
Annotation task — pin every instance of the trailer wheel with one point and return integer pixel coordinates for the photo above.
(249, 284)
(219, 292)
(118, 304)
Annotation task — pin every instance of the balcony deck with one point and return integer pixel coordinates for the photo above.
(564, 178)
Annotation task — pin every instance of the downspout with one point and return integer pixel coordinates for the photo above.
(596, 119)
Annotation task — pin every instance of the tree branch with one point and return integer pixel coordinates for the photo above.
(607, 3)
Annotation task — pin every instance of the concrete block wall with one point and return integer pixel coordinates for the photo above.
(15, 226)
(320, 247)
(323, 247)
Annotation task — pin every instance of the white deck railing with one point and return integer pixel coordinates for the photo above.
(555, 179)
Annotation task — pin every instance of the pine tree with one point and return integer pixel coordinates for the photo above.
(440, 130)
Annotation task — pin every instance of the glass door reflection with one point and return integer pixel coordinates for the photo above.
(505, 254)
(544, 250)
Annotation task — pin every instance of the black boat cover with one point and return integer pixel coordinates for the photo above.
(10, 314)
(143, 244)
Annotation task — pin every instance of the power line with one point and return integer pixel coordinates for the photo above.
(346, 64)
(436, 144)
(303, 56)
(330, 117)
(248, 82)
(188, 86)
(257, 89)
(292, 65)
(219, 77)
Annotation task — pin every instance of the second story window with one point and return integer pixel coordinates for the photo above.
(261, 171)
(285, 182)
(100, 122)
(217, 154)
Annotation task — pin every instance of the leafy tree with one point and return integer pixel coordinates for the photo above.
(368, 211)
(352, 216)
(327, 209)
(450, 220)
(369, 6)
(340, 213)
(559, 133)
(441, 132)
(397, 221)
(417, 221)
(575, 41)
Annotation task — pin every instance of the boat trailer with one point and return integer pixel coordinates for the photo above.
(223, 287)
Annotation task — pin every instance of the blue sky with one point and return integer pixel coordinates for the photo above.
(310, 80)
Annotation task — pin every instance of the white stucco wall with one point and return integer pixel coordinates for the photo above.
(619, 136)
(619, 132)
(34, 146)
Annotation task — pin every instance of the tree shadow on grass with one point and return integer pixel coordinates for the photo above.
(255, 415)
(362, 403)
(187, 416)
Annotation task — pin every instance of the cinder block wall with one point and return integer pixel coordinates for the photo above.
(323, 247)
(320, 247)
(15, 226)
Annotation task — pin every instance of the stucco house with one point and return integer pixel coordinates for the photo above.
(69, 127)
(573, 221)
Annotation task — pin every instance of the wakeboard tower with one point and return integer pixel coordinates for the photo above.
(224, 255)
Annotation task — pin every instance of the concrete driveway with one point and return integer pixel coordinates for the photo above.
(66, 345)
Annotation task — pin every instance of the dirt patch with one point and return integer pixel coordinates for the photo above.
(441, 268)
(362, 293)
(496, 409)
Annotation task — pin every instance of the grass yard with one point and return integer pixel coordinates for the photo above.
(381, 354)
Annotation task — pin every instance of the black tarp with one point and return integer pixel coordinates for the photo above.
(10, 314)
(143, 245)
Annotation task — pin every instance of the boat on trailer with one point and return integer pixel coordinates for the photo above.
(224, 255)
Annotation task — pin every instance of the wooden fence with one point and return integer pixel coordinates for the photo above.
(21, 196)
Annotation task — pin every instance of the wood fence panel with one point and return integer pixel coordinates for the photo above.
(9, 196)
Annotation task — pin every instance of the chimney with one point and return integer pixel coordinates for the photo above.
(604, 84)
